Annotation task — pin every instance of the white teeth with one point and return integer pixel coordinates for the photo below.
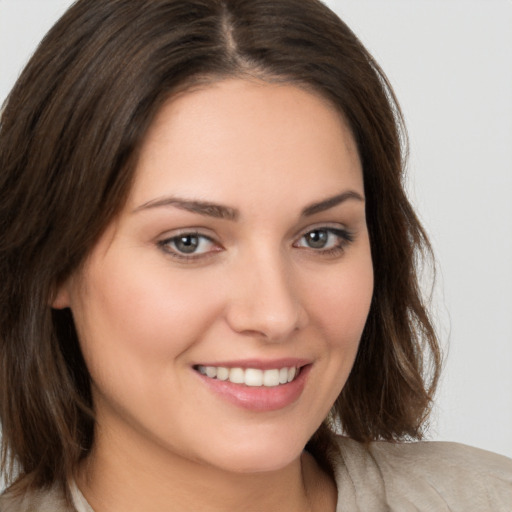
(253, 377)
(211, 371)
(236, 376)
(222, 373)
(271, 378)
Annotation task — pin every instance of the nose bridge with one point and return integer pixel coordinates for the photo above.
(265, 301)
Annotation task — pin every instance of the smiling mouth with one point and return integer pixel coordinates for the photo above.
(253, 377)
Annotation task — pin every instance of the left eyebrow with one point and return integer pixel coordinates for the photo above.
(331, 202)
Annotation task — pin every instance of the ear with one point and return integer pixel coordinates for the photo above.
(61, 297)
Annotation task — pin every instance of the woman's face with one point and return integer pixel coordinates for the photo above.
(240, 262)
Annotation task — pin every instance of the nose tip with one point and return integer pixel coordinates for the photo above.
(266, 305)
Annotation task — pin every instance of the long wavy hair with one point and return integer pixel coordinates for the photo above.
(70, 132)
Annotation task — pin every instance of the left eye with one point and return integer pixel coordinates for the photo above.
(323, 238)
(189, 244)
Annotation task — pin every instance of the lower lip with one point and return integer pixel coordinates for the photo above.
(260, 398)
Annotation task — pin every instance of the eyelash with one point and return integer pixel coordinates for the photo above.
(175, 253)
(344, 236)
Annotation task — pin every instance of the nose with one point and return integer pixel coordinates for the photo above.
(264, 299)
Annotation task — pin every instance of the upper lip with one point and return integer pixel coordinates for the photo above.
(260, 364)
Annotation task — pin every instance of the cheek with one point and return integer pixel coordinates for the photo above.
(342, 304)
(141, 313)
(338, 308)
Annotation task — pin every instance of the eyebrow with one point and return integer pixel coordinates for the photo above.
(219, 211)
(331, 202)
(201, 207)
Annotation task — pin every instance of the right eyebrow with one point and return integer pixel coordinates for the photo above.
(206, 208)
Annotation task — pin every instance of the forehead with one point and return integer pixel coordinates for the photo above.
(237, 137)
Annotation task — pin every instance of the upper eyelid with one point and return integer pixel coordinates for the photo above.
(164, 245)
(346, 235)
(196, 231)
(211, 235)
(207, 233)
(167, 240)
(328, 226)
(170, 235)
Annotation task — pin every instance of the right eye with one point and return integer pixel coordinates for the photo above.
(188, 245)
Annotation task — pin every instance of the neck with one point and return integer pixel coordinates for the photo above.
(150, 478)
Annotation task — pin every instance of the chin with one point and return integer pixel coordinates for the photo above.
(257, 454)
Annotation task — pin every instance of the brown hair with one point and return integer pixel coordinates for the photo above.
(69, 136)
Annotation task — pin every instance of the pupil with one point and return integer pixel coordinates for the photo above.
(317, 239)
(187, 243)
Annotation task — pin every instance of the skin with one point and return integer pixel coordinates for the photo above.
(255, 289)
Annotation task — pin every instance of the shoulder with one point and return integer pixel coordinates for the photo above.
(423, 476)
(51, 500)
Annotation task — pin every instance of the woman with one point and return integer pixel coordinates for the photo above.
(209, 271)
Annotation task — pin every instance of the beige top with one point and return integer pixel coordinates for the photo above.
(411, 477)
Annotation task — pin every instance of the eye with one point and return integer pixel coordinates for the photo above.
(188, 245)
(325, 239)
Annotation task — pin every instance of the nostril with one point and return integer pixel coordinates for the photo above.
(272, 322)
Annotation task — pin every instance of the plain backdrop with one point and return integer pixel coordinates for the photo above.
(450, 63)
